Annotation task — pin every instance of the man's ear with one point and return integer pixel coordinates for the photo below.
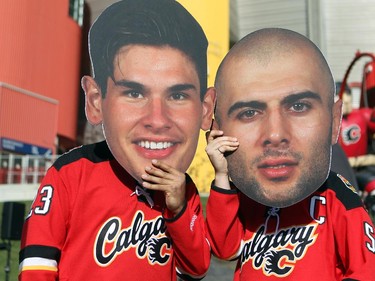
(208, 104)
(93, 100)
(336, 120)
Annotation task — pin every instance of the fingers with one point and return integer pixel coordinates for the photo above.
(216, 149)
(152, 176)
(163, 167)
(222, 144)
(218, 137)
(211, 135)
(161, 174)
(163, 177)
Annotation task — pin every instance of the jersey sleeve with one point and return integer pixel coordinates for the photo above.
(354, 235)
(224, 228)
(44, 231)
(187, 230)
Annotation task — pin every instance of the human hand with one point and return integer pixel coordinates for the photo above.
(164, 178)
(217, 146)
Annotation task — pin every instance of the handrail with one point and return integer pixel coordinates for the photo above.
(24, 169)
(29, 93)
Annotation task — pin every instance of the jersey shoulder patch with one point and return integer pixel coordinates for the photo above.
(96, 153)
(344, 190)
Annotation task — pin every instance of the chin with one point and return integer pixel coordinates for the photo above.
(283, 203)
(135, 173)
(138, 178)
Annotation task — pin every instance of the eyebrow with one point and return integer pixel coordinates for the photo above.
(129, 84)
(244, 104)
(303, 95)
(182, 87)
(140, 87)
(262, 105)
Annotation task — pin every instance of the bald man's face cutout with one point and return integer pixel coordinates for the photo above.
(280, 114)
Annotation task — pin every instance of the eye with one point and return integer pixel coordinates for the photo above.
(134, 94)
(247, 114)
(300, 107)
(178, 96)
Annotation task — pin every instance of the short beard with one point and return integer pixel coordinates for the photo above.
(312, 177)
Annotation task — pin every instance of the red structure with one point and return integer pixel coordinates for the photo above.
(358, 126)
(40, 54)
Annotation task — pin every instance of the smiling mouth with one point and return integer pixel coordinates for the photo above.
(153, 145)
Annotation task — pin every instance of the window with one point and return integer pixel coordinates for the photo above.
(76, 10)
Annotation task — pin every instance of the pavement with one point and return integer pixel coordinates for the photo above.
(220, 270)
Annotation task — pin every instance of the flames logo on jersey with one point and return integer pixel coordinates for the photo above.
(155, 252)
(277, 253)
(273, 258)
(146, 237)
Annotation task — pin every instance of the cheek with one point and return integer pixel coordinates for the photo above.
(248, 148)
(312, 133)
(317, 122)
(188, 120)
(111, 124)
(117, 116)
(247, 136)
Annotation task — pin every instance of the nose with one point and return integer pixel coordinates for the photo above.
(157, 115)
(276, 130)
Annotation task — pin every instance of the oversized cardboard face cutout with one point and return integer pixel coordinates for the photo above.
(149, 62)
(285, 128)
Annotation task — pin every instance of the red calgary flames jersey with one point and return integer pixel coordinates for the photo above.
(87, 223)
(327, 236)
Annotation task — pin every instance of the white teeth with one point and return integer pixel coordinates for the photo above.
(154, 145)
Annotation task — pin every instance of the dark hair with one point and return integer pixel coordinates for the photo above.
(145, 22)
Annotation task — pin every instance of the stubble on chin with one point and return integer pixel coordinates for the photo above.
(311, 175)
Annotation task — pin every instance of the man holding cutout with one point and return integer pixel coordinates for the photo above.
(283, 214)
(124, 209)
